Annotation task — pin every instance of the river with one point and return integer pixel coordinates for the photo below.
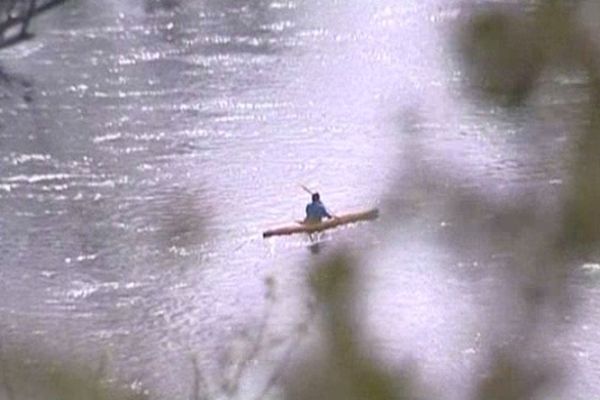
(144, 146)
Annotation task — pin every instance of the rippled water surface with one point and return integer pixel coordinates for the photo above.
(145, 145)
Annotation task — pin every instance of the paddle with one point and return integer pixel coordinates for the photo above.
(307, 190)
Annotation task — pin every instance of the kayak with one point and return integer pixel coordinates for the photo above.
(304, 227)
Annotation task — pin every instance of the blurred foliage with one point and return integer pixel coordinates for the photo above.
(44, 378)
(509, 380)
(506, 54)
(506, 51)
(344, 367)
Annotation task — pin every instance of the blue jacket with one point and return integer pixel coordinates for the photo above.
(316, 211)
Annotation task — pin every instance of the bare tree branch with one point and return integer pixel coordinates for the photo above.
(18, 14)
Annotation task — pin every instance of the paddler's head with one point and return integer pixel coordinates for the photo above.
(316, 197)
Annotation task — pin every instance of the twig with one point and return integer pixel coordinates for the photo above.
(8, 389)
(33, 10)
(199, 382)
(287, 356)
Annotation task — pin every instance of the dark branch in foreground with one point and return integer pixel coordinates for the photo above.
(14, 20)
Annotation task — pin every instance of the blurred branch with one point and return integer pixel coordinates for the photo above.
(21, 19)
(344, 368)
(251, 348)
(200, 388)
(4, 378)
(294, 342)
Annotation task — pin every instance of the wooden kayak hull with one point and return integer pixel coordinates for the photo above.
(321, 226)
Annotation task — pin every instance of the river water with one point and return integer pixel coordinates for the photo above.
(144, 146)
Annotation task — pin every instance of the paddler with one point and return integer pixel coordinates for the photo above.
(316, 210)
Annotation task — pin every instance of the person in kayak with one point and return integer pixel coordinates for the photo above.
(316, 210)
